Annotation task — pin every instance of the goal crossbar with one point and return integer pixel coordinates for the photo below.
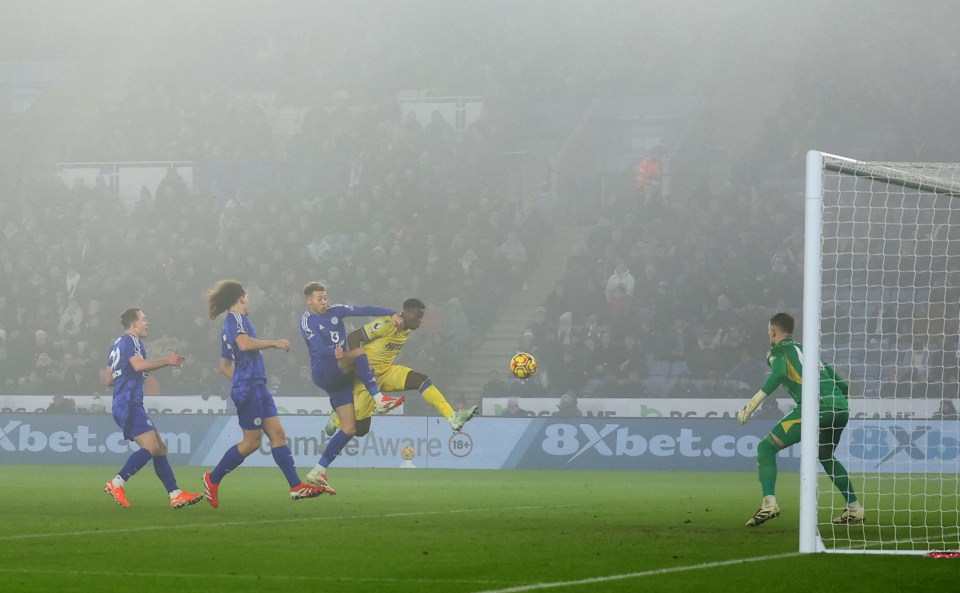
(918, 176)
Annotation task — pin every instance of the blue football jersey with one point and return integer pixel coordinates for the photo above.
(127, 383)
(247, 366)
(323, 333)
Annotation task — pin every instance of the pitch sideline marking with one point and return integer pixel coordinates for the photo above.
(23, 536)
(635, 575)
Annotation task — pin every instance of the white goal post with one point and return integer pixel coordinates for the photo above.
(882, 306)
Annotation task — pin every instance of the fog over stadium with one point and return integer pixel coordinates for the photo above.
(509, 163)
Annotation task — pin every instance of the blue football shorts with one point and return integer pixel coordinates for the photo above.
(132, 419)
(254, 404)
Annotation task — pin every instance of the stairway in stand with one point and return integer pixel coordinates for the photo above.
(500, 341)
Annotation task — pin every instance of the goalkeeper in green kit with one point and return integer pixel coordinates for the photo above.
(784, 359)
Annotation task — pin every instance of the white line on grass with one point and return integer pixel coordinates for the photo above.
(25, 536)
(635, 575)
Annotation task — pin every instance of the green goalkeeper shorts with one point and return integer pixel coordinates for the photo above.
(832, 423)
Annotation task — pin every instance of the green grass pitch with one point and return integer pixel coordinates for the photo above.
(425, 531)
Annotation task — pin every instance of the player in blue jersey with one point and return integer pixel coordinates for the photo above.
(127, 367)
(242, 361)
(333, 368)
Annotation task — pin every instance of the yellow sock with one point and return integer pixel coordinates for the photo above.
(433, 397)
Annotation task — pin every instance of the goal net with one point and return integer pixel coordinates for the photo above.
(888, 314)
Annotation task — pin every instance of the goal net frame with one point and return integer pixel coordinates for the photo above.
(887, 530)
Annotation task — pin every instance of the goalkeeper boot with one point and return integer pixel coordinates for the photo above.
(333, 423)
(117, 493)
(315, 478)
(185, 499)
(385, 403)
(301, 491)
(763, 515)
(460, 418)
(211, 491)
(850, 517)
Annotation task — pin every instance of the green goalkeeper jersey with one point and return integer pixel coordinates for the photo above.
(786, 368)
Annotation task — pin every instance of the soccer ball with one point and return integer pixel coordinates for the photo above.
(407, 453)
(523, 365)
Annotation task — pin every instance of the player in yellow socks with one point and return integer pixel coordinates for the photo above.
(382, 342)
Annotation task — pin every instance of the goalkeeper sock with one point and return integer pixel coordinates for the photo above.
(840, 478)
(767, 466)
(433, 397)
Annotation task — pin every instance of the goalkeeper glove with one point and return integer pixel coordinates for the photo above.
(744, 414)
